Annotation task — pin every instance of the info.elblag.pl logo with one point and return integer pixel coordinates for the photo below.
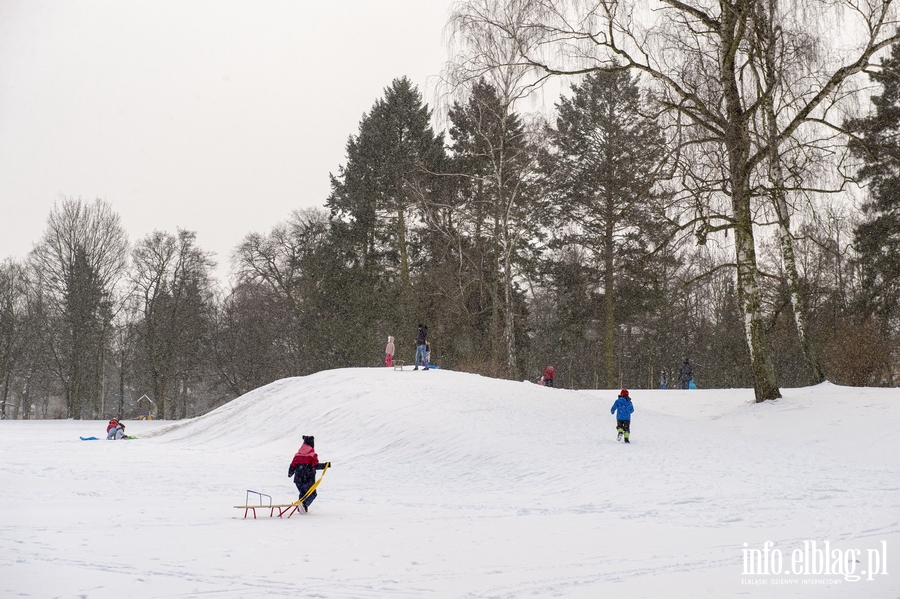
(813, 563)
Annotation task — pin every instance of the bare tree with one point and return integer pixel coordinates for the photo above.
(495, 153)
(12, 326)
(171, 278)
(700, 57)
(77, 265)
(491, 134)
(279, 273)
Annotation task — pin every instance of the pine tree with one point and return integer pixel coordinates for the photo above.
(390, 166)
(603, 169)
(376, 204)
(877, 239)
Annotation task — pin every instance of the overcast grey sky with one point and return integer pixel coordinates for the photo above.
(214, 116)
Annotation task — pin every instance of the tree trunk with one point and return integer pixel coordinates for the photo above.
(609, 301)
(779, 201)
(401, 241)
(737, 146)
(159, 393)
(509, 328)
(496, 277)
(765, 383)
(121, 385)
(6, 378)
(793, 280)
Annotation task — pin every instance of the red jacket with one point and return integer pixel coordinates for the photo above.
(549, 372)
(305, 455)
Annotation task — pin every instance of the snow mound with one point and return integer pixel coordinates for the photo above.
(448, 484)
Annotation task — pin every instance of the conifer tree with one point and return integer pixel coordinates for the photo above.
(877, 239)
(376, 202)
(389, 168)
(603, 169)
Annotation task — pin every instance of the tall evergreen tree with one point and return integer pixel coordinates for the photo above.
(390, 166)
(877, 239)
(375, 205)
(603, 169)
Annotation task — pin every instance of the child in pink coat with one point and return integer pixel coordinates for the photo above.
(389, 353)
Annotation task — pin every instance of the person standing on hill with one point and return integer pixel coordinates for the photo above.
(421, 347)
(303, 469)
(389, 353)
(623, 409)
(686, 374)
(548, 376)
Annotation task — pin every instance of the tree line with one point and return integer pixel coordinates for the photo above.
(608, 240)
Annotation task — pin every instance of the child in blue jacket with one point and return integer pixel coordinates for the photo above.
(623, 410)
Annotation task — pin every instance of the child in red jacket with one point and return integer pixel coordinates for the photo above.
(303, 469)
(547, 379)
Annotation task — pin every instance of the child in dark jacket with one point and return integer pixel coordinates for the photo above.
(303, 469)
(623, 409)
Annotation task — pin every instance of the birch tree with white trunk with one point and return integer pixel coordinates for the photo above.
(701, 57)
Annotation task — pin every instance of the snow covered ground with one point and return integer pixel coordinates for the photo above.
(454, 485)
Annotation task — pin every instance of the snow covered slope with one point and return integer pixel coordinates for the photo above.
(454, 485)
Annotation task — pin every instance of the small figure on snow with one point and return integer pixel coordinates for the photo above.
(686, 374)
(548, 376)
(115, 430)
(389, 353)
(421, 347)
(303, 469)
(623, 409)
(427, 352)
(663, 379)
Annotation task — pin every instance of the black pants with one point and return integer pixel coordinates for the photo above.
(303, 488)
(624, 426)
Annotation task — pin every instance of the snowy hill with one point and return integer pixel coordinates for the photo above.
(454, 485)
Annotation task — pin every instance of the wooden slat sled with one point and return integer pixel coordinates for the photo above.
(275, 509)
(282, 508)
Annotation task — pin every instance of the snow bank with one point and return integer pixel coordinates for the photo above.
(454, 485)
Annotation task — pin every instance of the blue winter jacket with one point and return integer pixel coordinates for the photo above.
(622, 408)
